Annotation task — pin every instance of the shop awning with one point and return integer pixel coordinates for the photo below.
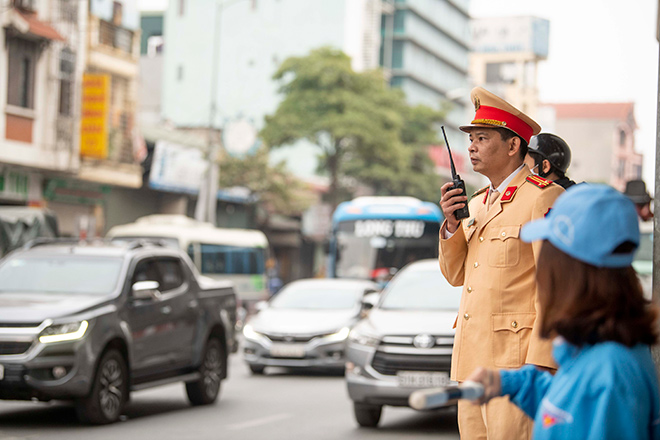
(27, 24)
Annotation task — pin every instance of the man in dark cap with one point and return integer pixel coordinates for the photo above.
(549, 156)
(636, 191)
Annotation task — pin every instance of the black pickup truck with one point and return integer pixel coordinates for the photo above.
(92, 322)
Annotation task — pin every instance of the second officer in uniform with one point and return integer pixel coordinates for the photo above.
(496, 326)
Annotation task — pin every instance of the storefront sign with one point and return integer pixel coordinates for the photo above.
(14, 185)
(70, 191)
(94, 117)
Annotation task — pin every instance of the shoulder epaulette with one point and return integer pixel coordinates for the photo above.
(539, 181)
(476, 193)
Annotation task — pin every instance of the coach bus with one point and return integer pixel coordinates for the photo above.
(375, 236)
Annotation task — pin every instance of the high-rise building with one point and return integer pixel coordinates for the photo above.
(425, 50)
(505, 58)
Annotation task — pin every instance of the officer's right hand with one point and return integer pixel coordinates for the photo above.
(450, 202)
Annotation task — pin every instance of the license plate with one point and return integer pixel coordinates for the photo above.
(2, 371)
(287, 350)
(422, 379)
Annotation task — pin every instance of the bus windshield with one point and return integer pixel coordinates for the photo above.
(364, 248)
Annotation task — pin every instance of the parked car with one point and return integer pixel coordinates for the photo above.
(93, 322)
(643, 262)
(305, 324)
(404, 343)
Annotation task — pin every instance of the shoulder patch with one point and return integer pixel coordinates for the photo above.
(539, 181)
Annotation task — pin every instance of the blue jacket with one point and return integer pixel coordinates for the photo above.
(602, 391)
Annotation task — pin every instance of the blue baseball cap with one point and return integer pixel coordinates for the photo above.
(588, 222)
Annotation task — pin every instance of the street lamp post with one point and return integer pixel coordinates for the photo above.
(207, 200)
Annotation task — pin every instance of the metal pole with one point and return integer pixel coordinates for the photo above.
(205, 210)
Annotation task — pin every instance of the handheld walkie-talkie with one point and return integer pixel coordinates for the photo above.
(458, 183)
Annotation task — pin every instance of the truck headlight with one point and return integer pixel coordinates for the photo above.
(359, 336)
(63, 332)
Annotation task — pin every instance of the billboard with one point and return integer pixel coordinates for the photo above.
(177, 168)
(511, 34)
(94, 116)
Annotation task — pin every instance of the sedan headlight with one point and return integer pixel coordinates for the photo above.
(359, 336)
(338, 336)
(249, 333)
(63, 332)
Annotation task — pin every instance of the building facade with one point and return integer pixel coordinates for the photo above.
(505, 57)
(40, 66)
(425, 49)
(602, 140)
(67, 132)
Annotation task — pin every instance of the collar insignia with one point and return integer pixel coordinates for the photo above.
(508, 194)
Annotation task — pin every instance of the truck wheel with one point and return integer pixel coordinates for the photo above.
(367, 415)
(257, 369)
(109, 393)
(205, 391)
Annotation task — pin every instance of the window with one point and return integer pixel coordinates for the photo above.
(67, 72)
(22, 60)
(622, 138)
(218, 259)
(170, 273)
(622, 168)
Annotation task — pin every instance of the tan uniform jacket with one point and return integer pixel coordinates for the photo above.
(497, 315)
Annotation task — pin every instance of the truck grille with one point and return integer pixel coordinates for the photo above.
(7, 347)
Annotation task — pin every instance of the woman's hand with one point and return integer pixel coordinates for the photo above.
(490, 379)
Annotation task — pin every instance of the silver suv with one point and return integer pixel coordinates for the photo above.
(404, 343)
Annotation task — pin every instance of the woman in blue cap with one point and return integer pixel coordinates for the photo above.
(593, 306)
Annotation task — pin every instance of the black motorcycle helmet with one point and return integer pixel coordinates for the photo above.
(553, 148)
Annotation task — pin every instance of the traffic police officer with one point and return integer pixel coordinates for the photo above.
(549, 156)
(483, 253)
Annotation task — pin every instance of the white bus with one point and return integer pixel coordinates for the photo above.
(237, 255)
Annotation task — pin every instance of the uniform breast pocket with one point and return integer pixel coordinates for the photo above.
(504, 247)
(511, 335)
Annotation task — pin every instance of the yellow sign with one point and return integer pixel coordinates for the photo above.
(94, 116)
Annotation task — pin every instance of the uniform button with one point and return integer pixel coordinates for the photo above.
(481, 239)
(503, 234)
(476, 264)
(469, 289)
(514, 324)
(466, 316)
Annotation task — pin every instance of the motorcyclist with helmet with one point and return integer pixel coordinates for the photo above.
(549, 156)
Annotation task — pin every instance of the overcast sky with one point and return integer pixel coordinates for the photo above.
(600, 51)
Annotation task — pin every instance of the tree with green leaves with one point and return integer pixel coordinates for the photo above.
(365, 130)
(278, 190)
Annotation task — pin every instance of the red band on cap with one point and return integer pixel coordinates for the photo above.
(499, 118)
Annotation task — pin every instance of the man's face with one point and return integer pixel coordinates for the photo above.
(489, 154)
